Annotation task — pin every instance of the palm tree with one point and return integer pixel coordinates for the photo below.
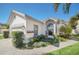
(77, 16)
(66, 7)
(56, 5)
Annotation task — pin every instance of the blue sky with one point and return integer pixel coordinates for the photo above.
(38, 11)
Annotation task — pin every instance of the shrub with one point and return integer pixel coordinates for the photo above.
(39, 44)
(37, 41)
(53, 40)
(36, 45)
(29, 45)
(38, 38)
(62, 39)
(18, 39)
(6, 34)
(41, 37)
(42, 41)
(44, 44)
(56, 39)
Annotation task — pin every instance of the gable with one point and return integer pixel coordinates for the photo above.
(17, 20)
(13, 15)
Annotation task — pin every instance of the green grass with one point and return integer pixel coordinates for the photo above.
(70, 50)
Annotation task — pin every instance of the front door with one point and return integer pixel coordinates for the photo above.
(50, 29)
(50, 32)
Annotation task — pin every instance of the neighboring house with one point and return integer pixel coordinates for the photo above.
(2, 28)
(32, 27)
(76, 31)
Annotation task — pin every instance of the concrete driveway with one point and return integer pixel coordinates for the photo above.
(6, 48)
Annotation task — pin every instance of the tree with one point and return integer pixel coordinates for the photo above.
(65, 31)
(73, 21)
(6, 26)
(66, 7)
(62, 29)
(68, 29)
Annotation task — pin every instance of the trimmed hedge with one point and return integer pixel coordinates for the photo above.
(62, 39)
(18, 39)
(6, 34)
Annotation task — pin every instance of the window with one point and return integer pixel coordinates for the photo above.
(35, 30)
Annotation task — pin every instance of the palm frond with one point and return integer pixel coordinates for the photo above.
(66, 7)
(56, 5)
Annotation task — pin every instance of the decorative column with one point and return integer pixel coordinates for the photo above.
(54, 29)
(10, 32)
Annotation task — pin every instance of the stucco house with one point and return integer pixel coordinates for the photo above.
(32, 27)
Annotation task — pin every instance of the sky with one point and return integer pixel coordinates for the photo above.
(39, 11)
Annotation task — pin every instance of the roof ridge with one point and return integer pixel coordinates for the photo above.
(25, 15)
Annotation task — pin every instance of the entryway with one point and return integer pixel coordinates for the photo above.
(50, 33)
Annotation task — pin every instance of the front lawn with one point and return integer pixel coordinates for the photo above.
(1, 36)
(70, 50)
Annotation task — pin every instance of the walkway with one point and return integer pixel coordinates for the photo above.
(6, 48)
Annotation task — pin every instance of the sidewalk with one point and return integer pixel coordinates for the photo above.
(6, 48)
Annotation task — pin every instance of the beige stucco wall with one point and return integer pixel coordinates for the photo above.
(30, 27)
(17, 22)
(28, 24)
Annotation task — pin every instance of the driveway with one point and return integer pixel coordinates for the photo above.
(6, 48)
